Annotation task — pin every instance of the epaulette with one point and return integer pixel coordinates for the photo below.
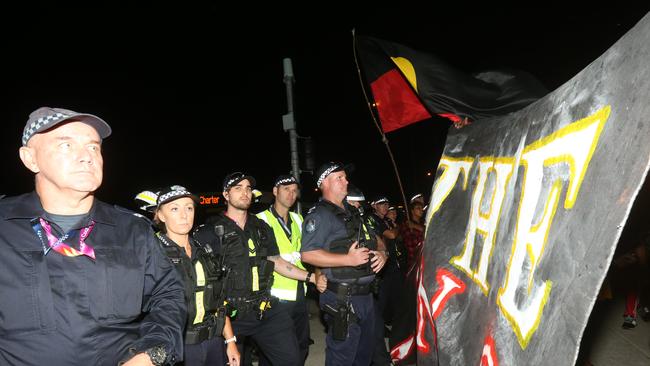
(314, 207)
(127, 211)
(2, 196)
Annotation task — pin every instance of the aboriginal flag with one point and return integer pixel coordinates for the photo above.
(410, 86)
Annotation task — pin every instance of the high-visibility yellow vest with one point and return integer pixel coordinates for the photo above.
(285, 288)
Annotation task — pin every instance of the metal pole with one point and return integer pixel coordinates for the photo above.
(289, 123)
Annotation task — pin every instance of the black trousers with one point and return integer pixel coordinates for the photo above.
(211, 352)
(300, 317)
(392, 280)
(274, 335)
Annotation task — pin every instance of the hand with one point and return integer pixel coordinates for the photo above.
(378, 260)
(141, 359)
(233, 354)
(321, 283)
(357, 256)
(464, 122)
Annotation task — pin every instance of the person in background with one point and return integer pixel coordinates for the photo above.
(82, 282)
(412, 232)
(197, 265)
(418, 197)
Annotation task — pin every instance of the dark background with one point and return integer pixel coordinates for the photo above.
(194, 91)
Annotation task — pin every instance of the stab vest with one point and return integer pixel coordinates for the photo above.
(356, 231)
(250, 273)
(283, 287)
(201, 278)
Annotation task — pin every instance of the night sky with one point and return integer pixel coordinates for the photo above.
(194, 92)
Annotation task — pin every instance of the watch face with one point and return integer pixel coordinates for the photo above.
(158, 355)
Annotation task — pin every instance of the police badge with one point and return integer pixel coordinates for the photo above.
(310, 226)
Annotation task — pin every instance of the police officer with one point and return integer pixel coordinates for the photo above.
(392, 276)
(335, 239)
(202, 277)
(287, 227)
(82, 282)
(251, 254)
(418, 197)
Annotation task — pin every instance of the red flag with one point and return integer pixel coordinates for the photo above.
(410, 86)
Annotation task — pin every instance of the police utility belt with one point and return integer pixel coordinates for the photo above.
(343, 289)
(258, 303)
(206, 330)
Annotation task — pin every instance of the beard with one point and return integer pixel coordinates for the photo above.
(242, 204)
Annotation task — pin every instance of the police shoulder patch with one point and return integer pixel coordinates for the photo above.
(310, 225)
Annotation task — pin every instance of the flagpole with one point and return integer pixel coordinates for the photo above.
(384, 139)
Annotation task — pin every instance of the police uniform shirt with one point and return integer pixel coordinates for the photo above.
(377, 224)
(252, 223)
(322, 227)
(185, 267)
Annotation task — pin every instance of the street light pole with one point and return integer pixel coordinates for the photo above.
(289, 123)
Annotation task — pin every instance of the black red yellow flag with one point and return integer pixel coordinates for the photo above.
(409, 86)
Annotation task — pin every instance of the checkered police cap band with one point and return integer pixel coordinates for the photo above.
(171, 193)
(234, 178)
(285, 180)
(39, 123)
(45, 118)
(327, 172)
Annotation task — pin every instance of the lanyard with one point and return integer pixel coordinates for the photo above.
(59, 246)
(287, 229)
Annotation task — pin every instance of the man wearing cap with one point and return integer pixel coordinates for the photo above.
(287, 228)
(337, 241)
(82, 282)
(251, 254)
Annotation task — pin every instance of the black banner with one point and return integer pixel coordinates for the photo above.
(525, 215)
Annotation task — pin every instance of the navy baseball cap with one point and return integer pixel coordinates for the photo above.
(380, 199)
(172, 193)
(328, 168)
(285, 180)
(233, 178)
(45, 118)
(415, 197)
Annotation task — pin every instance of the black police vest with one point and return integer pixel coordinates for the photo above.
(210, 287)
(250, 274)
(356, 231)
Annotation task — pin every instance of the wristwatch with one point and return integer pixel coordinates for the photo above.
(157, 354)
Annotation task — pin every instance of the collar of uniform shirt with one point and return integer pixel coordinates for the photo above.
(287, 226)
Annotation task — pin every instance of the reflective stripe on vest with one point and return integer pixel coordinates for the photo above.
(198, 295)
(285, 288)
(254, 273)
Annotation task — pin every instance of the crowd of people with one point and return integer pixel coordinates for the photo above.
(89, 283)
